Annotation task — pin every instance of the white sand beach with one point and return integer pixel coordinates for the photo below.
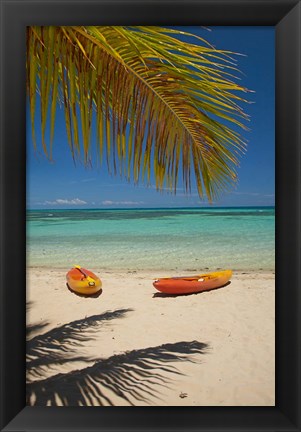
(132, 346)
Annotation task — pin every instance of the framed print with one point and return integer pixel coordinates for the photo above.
(150, 257)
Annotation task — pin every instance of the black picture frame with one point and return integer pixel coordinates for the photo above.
(15, 16)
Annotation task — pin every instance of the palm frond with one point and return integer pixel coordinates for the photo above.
(161, 105)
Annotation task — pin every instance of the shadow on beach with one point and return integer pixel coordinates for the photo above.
(59, 345)
(131, 377)
(164, 295)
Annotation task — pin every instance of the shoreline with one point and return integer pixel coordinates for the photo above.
(149, 271)
(130, 346)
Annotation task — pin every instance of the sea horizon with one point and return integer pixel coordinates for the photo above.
(148, 208)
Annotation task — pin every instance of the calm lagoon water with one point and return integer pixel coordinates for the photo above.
(189, 239)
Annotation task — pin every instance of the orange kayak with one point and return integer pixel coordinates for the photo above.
(83, 281)
(193, 284)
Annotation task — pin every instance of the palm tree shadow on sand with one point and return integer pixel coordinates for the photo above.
(61, 344)
(164, 295)
(131, 377)
(135, 376)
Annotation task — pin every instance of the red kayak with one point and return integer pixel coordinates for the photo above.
(193, 284)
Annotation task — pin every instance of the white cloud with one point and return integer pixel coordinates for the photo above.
(109, 203)
(253, 194)
(59, 201)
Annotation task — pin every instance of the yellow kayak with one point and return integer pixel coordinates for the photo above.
(83, 281)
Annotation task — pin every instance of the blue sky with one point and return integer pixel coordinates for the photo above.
(61, 184)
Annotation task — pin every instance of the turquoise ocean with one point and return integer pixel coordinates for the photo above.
(181, 239)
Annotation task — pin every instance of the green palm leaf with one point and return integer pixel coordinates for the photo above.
(161, 105)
